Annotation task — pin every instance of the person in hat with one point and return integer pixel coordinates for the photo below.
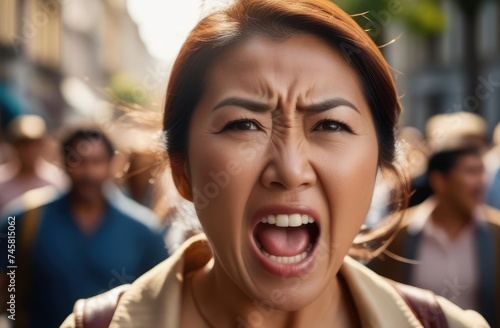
(442, 130)
(449, 243)
(27, 170)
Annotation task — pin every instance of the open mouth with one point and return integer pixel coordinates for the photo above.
(286, 238)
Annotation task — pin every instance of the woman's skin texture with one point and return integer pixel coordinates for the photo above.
(283, 127)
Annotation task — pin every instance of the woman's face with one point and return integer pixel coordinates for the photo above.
(282, 159)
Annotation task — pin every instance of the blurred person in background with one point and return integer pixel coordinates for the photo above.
(27, 169)
(178, 215)
(413, 162)
(139, 160)
(416, 150)
(449, 244)
(141, 174)
(492, 161)
(465, 127)
(80, 244)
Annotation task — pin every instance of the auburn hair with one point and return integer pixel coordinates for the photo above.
(279, 19)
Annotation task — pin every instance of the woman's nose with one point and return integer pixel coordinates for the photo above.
(289, 168)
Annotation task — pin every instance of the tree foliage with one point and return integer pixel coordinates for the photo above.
(423, 17)
(128, 89)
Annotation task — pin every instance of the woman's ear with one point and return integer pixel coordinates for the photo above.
(181, 180)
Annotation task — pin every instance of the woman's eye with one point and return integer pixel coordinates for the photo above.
(332, 126)
(241, 125)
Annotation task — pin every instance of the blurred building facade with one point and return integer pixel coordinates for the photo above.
(434, 77)
(43, 43)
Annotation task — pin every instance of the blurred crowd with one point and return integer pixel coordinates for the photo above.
(81, 206)
(95, 208)
(449, 239)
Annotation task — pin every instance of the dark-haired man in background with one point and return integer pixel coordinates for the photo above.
(80, 244)
(451, 239)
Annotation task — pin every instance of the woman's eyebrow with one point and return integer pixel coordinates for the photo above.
(256, 106)
(252, 105)
(328, 104)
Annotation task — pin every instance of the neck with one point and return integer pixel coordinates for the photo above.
(27, 169)
(223, 304)
(88, 212)
(95, 202)
(451, 218)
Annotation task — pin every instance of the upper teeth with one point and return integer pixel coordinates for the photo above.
(287, 220)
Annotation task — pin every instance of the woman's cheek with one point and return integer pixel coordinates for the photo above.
(350, 177)
(223, 176)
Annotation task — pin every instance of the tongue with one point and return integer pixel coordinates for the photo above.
(282, 241)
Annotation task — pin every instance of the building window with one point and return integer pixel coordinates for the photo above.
(41, 31)
(8, 22)
(111, 54)
(452, 40)
(489, 29)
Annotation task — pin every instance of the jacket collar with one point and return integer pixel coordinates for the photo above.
(155, 299)
(423, 212)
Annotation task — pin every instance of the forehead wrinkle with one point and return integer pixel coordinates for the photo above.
(299, 92)
(262, 89)
(257, 87)
(285, 116)
(280, 86)
(277, 86)
(285, 96)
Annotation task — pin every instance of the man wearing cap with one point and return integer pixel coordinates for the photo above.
(28, 170)
(449, 244)
(440, 130)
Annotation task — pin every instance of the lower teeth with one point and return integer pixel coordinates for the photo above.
(287, 259)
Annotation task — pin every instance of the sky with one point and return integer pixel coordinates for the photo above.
(165, 24)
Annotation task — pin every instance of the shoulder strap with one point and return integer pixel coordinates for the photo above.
(424, 305)
(98, 311)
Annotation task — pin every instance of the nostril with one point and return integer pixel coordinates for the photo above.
(280, 186)
(277, 185)
(287, 178)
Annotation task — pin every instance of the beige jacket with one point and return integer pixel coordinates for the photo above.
(154, 300)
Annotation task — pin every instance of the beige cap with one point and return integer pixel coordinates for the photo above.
(443, 128)
(31, 127)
